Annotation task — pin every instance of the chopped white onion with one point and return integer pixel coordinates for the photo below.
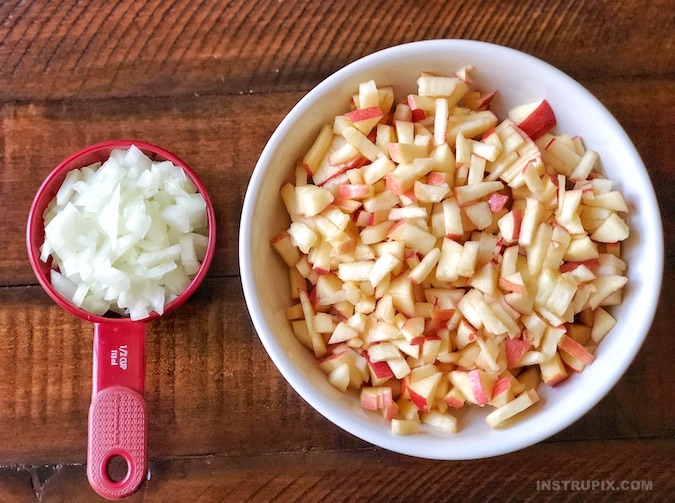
(127, 235)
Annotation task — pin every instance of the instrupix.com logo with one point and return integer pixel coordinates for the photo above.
(594, 485)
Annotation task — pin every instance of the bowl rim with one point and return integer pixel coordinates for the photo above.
(291, 372)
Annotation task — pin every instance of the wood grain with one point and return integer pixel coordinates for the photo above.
(387, 477)
(221, 137)
(211, 80)
(212, 389)
(60, 49)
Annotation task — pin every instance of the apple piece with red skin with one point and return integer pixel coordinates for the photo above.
(365, 119)
(440, 317)
(284, 247)
(469, 193)
(422, 392)
(502, 392)
(454, 398)
(382, 370)
(535, 118)
(515, 349)
(513, 283)
(374, 398)
(553, 371)
(509, 225)
(475, 385)
(466, 334)
(572, 363)
(575, 349)
(478, 100)
(571, 266)
(390, 412)
(497, 202)
(354, 191)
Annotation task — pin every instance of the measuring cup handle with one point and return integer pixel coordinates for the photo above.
(118, 426)
(118, 422)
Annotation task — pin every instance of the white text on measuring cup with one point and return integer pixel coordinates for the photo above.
(118, 357)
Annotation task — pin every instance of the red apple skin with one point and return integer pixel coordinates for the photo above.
(517, 222)
(368, 401)
(557, 379)
(454, 402)
(440, 317)
(488, 133)
(396, 226)
(416, 341)
(418, 115)
(392, 184)
(570, 266)
(350, 191)
(419, 401)
(539, 122)
(391, 411)
(497, 202)
(576, 350)
(515, 349)
(502, 385)
(477, 388)
(481, 101)
(380, 369)
(280, 237)
(362, 114)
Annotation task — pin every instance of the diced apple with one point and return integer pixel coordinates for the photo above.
(603, 322)
(339, 377)
(535, 119)
(515, 349)
(441, 421)
(312, 200)
(468, 193)
(612, 230)
(604, 287)
(532, 217)
(284, 247)
(422, 391)
(413, 236)
(516, 406)
(576, 350)
(365, 119)
(318, 149)
(358, 140)
(553, 371)
(475, 385)
(404, 427)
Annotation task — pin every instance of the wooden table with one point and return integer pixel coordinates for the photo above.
(210, 81)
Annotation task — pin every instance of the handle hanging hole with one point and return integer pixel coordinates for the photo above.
(117, 468)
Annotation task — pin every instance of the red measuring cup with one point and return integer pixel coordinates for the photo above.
(118, 419)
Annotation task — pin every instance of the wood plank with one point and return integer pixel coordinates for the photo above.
(219, 137)
(329, 476)
(222, 137)
(59, 49)
(212, 389)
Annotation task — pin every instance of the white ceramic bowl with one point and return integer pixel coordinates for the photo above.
(519, 78)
